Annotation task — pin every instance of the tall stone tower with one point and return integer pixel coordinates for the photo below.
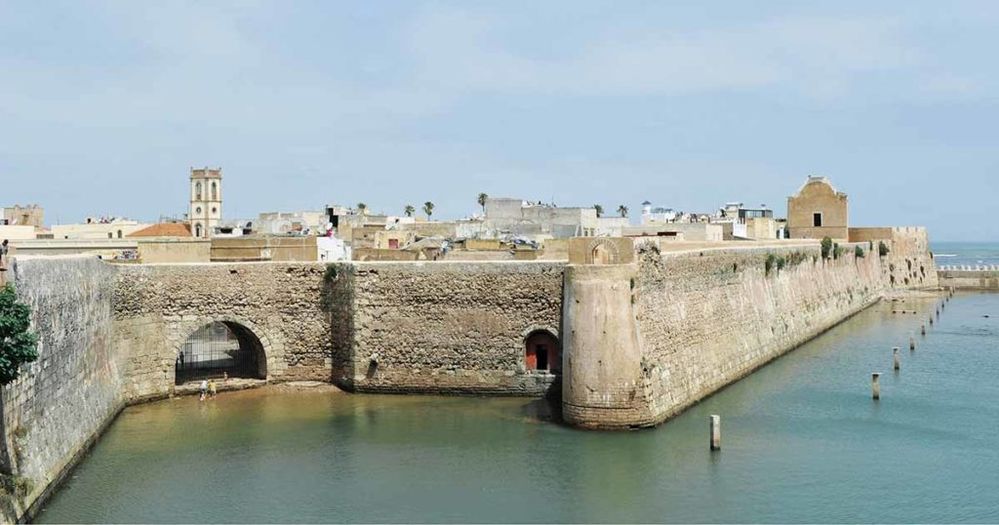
(206, 201)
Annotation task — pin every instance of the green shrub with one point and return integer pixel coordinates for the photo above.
(768, 265)
(837, 251)
(796, 258)
(827, 247)
(781, 263)
(859, 252)
(882, 249)
(18, 344)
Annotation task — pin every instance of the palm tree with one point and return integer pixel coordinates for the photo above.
(363, 208)
(410, 210)
(623, 210)
(483, 197)
(599, 208)
(428, 208)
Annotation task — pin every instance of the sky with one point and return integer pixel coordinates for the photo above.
(105, 106)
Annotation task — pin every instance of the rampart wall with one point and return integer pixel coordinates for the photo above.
(61, 402)
(704, 319)
(455, 327)
(672, 328)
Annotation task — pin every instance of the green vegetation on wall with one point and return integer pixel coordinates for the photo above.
(882, 249)
(827, 247)
(18, 344)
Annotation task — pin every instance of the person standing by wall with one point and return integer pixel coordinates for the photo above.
(4, 248)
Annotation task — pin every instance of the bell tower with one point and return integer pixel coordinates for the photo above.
(205, 212)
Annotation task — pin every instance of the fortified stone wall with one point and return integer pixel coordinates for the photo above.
(707, 318)
(61, 401)
(457, 327)
(156, 308)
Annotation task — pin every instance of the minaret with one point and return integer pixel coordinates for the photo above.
(206, 201)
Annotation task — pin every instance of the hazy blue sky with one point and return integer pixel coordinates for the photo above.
(105, 106)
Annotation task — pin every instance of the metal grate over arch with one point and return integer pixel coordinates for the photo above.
(218, 349)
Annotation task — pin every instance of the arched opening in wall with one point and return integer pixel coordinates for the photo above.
(602, 254)
(220, 349)
(215, 192)
(543, 352)
(197, 230)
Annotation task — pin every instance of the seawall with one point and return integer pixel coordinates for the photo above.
(704, 319)
(969, 278)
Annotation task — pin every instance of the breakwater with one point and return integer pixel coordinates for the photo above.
(966, 277)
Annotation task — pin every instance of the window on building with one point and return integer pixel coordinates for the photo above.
(197, 191)
(817, 220)
(119, 234)
(215, 192)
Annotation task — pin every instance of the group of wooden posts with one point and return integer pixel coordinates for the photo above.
(896, 363)
(715, 420)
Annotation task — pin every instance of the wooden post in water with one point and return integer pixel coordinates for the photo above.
(922, 329)
(912, 343)
(715, 432)
(875, 386)
(896, 363)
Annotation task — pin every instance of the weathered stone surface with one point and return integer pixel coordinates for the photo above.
(62, 400)
(454, 327)
(157, 307)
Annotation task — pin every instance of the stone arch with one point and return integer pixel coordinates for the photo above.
(542, 349)
(249, 336)
(603, 252)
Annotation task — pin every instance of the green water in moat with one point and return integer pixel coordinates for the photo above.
(803, 442)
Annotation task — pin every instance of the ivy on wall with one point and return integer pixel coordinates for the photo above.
(18, 344)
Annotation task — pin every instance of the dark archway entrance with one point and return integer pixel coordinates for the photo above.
(218, 349)
(543, 352)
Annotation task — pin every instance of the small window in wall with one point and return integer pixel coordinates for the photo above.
(197, 230)
(817, 220)
(197, 191)
(393, 244)
(110, 235)
(119, 234)
(542, 352)
(215, 192)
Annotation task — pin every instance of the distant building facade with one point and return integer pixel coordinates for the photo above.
(818, 211)
(17, 215)
(205, 213)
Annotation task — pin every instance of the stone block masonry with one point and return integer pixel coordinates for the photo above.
(63, 400)
(157, 307)
(642, 340)
(704, 319)
(450, 327)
